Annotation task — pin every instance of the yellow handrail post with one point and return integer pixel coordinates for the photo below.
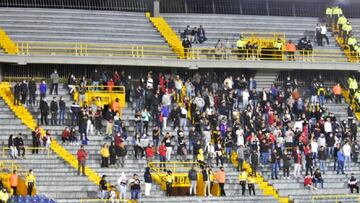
(336, 199)
(132, 51)
(27, 48)
(142, 51)
(76, 49)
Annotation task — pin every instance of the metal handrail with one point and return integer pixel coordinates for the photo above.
(335, 197)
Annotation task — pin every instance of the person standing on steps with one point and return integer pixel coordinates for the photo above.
(54, 108)
(242, 180)
(81, 157)
(103, 188)
(54, 82)
(30, 182)
(220, 177)
(192, 174)
(122, 182)
(42, 89)
(14, 180)
(169, 179)
(44, 111)
(62, 113)
(148, 181)
(32, 92)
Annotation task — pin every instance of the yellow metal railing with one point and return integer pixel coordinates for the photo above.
(149, 51)
(93, 49)
(335, 198)
(41, 150)
(173, 166)
(102, 95)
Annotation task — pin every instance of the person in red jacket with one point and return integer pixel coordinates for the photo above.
(308, 182)
(81, 157)
(149, 151)
(162, 154)
(65, 136)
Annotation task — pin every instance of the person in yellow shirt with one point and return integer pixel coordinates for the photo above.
(169, 179)
(30, 182)
(329, 11)
(341, 21)
(278, 45)
(242, 180)
(105, 154)
(4, 195)
(241, 46)
(251, 184)
(346, 29)
(200, 157)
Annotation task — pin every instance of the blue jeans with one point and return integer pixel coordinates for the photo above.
(62, 117)
(347, 162)
(264, 158)
(322, 165)
(95, 84)
(314, 156)
(321, 100)
(274, 170)
(228, 151)
(321, 181)
(135, 194)
(340, 167)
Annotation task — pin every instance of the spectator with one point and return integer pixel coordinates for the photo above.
(42, 89)
(30, 182)
(241, 157)
(322, 159)
(201, 34)
(149, 151)
(24, 92)
(135, 188)
(122, 182)
(162, 154)
(103, 188)
(169, 179)
(54, 82)
(318, 178)
(14, 181)
(347, 154)
(192, 174)
(95, 78)
(32, 92)
(251, 184)
(12, 147)
(297, 163)
(54, 108)
(308, 182)
(220, 177)
(148, 181)
(254, 158)
(44, 111)
(19, 144)
(274, 164)
(207, 180)
(17, 93)
(81, 157)
(290, 49)
(242, 180)
(105, 154)
(4, 195)
(340, 162)
(286, 164)
(62, 107)
(36, 140)
(352, 183)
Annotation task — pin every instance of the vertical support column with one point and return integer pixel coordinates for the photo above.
(213, 7)
(293, 9)
(156, 8)
(240, 7)
(267, 8)
(186, 6)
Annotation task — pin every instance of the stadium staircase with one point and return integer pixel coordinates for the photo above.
(7, 44)
(55, 177)
(265, 78)
(169, 35)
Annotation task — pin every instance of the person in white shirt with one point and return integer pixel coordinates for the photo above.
(328, 126)
(178, 87)
(323, 31)
(321, 140)
(240, 137)
(314, 150)
(347, 155)
(121, 183)
(245, 98)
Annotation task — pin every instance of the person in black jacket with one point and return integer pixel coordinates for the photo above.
(17, 93)
(54, 111)
(254, 158)
(12, 147)
(32, 91)
(44, 111)
(36, 136)
(19, 144)
(103, 187)
(148, 181)
(112, 152)
(24, 91)
(286, 164)
(309, 163)
(62, 107)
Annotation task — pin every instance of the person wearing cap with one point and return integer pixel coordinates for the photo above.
(352, 183)
(169, 179)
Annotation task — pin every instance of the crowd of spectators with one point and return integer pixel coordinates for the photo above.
(214, 116)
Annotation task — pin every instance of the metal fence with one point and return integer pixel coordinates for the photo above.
(311, 8)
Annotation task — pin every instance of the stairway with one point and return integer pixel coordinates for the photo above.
(265, 78)
(55, 179)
